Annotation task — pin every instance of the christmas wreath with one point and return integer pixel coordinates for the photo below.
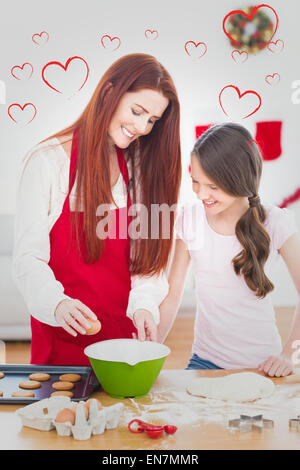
(253, 35)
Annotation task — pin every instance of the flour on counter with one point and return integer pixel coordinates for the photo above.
(167, 406)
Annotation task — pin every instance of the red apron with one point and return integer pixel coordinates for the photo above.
(103, 286)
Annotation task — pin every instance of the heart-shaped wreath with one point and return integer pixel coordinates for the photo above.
(250, 28)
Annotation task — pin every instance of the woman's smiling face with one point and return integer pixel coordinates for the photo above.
(136, 115)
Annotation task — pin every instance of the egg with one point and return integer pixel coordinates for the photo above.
(88, 402)
(86, 411)
(95, 327)
(65, 415)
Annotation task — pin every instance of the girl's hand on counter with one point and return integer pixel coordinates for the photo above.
(144, 322)
(277, 366)
(73, 316)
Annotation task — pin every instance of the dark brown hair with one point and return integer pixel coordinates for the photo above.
(230, 158)
(157, 155)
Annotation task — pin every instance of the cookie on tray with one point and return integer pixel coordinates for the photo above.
(70, 377)
(62, 385)
(30, 384)
(39, 376)
(64, 393)
(23, 394)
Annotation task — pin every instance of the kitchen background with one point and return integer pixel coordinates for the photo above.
(216, 82)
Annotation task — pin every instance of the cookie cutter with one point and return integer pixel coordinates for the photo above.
(251, 423)
(294, 423)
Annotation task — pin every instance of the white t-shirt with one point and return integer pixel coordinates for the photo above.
(233, 328)
(42, 189)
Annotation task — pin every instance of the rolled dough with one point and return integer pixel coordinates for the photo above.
(243, 386)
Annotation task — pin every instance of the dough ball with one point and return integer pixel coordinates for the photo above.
(239, 387)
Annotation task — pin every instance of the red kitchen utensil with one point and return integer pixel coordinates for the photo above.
(152, 430)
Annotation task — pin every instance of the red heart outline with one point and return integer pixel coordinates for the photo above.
(250, 18)
(272, 42)
(111, 39)
(40, 35)
(240, 96)
(22, 108)
(151, 31)
(290, 199)
(272, 76)
(240, 53)
(18, 67)
(65, 69)
(196, 45)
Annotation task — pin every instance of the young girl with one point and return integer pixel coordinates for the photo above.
(233, 242)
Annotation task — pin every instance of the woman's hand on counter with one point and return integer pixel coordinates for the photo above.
(145, 325)
(73, 316)
(277, 366)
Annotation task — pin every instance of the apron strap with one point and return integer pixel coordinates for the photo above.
(124, 171)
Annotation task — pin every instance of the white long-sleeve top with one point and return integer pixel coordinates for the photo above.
(42, 189)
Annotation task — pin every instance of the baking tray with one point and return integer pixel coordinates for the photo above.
(16, 373)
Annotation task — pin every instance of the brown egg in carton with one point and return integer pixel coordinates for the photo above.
(87, 424)
(82, 420)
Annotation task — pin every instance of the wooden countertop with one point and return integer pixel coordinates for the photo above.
(202, 423)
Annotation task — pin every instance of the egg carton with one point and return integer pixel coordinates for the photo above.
(41, 415)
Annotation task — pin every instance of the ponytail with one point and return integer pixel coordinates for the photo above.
(255, 241)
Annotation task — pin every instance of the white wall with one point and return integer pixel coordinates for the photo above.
(75, 29)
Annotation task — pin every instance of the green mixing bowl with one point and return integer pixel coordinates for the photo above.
(126, 367)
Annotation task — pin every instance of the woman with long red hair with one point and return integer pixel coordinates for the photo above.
(124, 150)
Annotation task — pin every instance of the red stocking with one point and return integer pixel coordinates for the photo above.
(268, 137)
(200, 129)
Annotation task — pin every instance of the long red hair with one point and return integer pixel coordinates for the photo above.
(157, 155)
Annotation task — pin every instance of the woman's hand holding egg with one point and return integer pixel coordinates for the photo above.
(74, 316)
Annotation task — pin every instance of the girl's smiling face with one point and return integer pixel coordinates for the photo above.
(214, 199)
(135, 116)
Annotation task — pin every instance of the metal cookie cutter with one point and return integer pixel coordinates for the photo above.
(295, 423)
(251, 423)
